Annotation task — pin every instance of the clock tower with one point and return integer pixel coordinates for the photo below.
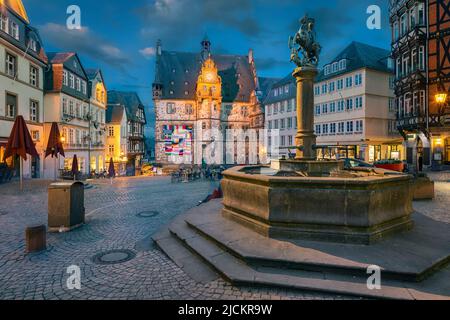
(209, 101)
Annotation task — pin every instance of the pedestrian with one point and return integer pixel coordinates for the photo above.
(420, 163)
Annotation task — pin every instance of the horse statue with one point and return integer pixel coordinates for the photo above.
(304, 42)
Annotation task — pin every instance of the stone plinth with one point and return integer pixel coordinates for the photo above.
(312, 168)
(305, 137)
(354, 210)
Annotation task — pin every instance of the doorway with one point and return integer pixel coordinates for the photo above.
(35, 168)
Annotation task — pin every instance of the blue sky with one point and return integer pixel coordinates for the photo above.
(119, 36)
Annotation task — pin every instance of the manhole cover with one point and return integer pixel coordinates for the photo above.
(148, 214)
(114, 257)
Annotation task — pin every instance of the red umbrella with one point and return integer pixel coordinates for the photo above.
(111, 169)
(54, 145)
(20, 144)
(74, 167)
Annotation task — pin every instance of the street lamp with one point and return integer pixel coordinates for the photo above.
(441, 97)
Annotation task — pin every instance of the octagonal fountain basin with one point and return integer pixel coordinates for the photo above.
(342, 206)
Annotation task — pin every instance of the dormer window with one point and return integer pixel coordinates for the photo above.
(32, 44)
(326, 70)
(4, 22)
(342, 64)
(15, 31)
(334, 67)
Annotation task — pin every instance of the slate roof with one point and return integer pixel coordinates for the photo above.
(265, 85)
(129, 100)
(359, 55)
(178, 72)
(114, 114)
(92, 73)
(17, 13)
(288, 80)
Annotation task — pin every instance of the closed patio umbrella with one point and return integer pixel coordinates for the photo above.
(54, 146)
(74, 167)
(20, 144)
(111, 169)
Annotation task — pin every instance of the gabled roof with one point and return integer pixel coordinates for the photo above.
(359, 55)
(115, 113)
(17, 7)
(92, 73)
(16, 12)
(178, 72)
(129, 100)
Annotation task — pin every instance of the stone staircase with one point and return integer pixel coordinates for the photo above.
(204, 238)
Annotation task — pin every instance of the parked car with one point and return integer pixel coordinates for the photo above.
(350, 163)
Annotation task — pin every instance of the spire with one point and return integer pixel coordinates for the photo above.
(17, 7)
(206, 47)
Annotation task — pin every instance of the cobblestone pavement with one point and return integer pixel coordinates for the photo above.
(112, 223)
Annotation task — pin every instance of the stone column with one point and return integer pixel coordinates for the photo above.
(305, 138)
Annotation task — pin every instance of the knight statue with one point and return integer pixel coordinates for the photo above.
(304, 43)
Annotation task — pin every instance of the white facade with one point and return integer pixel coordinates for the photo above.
(71, 115)
(357, 110)
(21, 93)
(282, 116)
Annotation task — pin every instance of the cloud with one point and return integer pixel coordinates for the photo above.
(85, 42)
(174, 21)
(265, 64)
(148, 52)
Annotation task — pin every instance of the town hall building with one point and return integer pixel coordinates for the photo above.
(201, 91)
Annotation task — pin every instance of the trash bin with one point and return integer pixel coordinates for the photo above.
(65, 206)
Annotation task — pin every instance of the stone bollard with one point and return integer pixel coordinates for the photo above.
(36, 239)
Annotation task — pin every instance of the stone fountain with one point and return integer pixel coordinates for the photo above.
(312, 225)
(311, 199)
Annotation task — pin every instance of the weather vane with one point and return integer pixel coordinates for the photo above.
(304, 43)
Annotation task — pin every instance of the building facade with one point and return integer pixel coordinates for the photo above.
(97, 118)
(420, 48)
(136, 121)
(194, 93)
(354, 112)
(66, 102)
(117, 138)
(281, 114)
(22, 65)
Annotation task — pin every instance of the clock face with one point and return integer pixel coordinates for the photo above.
(209, 76)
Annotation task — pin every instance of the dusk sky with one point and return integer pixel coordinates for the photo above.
(119, 36)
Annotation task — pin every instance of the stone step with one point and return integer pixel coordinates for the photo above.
(259, 251)
(190, 263)
(238, 272)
